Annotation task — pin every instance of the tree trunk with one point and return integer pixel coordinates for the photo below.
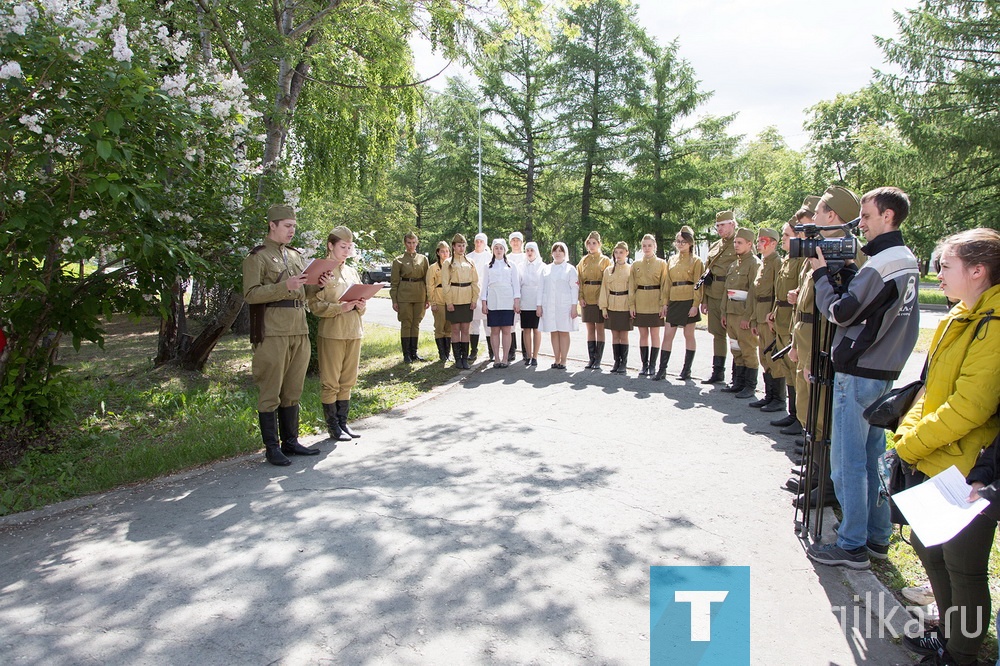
(173, 327)
(195, 357)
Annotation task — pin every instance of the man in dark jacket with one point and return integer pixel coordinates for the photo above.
(876, 322)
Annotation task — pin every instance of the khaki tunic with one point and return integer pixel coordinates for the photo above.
(762, 297)
(590, 273)
(682, 274)
(650, 272)
(742, 274)
(617, 279)
(435, 295)
(408, 292)
(721, 256)
(338, 343)
(281, 359)
(461, 273)
(783, 311)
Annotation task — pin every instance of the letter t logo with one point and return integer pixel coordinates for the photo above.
(701, 610)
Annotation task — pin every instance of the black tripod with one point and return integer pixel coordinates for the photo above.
(816, 438)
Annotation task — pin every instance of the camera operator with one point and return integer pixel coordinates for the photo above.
(876, 322)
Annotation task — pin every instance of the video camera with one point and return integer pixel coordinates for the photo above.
(834, 249)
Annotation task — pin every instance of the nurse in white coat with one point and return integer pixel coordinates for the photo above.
(558, 303)
(501, 298)
(531, 289)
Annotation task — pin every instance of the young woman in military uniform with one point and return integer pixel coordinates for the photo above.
(435, 294)
(590, 273)
(684, 269)
(647, 284)
(338, 343)
(737, 314)
(460, 283)
(614, 302)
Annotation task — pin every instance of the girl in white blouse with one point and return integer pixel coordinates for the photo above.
(501, 299)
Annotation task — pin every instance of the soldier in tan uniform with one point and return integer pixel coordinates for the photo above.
(646, 288)
(836, 206)
(590, 273)
(762, 302)
(435, 294)
(460, 283)
(738, 313)
(720, 257)
(614, 303)
(275, 289)
(780, 320)
(408, 292)
(684, 269)
(338, 342)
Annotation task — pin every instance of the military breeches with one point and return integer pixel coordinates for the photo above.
(715, 326)
(409, 316)
(442, 327)
(744, 343)
(802, 388)
(764, 340)
(279, 369)
(338, 368)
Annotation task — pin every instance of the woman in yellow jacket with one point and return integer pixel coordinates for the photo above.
(590, 274)
(647, 287)
(435, 295)
(684, 269)
(949, 425)
(614, 301)
(338, 342)
(460, 283)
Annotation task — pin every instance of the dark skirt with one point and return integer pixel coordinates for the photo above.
(529, 319)
(592, 314)
(500, 318)
(677, 313)
(462, 314)
(619, 320)
(647, 320)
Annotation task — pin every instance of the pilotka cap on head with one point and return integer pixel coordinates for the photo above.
(843, 202)
(809, 203)
(725, 216)
(280, 212)
(343, 233)
(767, 232)
(459, 238)
(745, 234)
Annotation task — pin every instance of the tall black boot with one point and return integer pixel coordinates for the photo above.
(343, 409)
(332, 424)
(737, 384)
(512, 352)
(777, 402)
(624, 356)
(474, 342)
(591, 351)
(688, 360)
(489, 347)
(598, 355)
(792, 414)
(653, 353)
(447, 348)
(442, 353)
(288, 427)
(269, 433)
(405, 344)
(456, 350)
(644, 357)
(618, 360)
(661, 374)
(768, 391)
(718, 371)
(465, 356)
(749, 384)
(413, 350)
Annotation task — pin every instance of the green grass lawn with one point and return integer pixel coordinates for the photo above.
(136, 422)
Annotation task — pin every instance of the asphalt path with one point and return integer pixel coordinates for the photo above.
(510, 517)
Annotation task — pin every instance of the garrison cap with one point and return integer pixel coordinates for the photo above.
(280, 212)
(725, 216)
(842, 201)
(767, 232)
(745, 234)
(809, 203)
(594, 235)
(459, 238)
(343, 233)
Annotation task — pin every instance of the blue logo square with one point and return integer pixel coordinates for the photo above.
(699, 615)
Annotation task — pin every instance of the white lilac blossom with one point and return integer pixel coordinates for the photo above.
(11, 70)
(121, 52)
(31, 122)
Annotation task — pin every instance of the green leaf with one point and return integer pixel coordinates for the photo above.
(104, 148)
(114, 121)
